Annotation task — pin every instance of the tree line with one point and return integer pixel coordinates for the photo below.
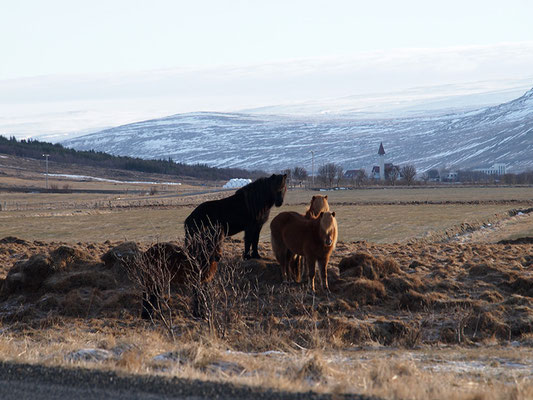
(334, 175)
(35, 149)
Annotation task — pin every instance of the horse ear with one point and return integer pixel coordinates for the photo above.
(326, 197)
(314, 197)
(333, 214)
(321, 215)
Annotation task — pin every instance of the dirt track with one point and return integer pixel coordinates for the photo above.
(36, 382)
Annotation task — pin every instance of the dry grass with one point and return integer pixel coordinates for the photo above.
(377, 223)
(445, 320)
(446, 373)
(427, 296)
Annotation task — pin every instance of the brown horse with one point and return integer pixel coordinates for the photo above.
(318, 204)
(314, 239)
(167, 263)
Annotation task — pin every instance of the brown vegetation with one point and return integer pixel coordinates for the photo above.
(458, 293)
(407, 295)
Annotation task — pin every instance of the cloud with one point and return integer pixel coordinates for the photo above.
(110, 99)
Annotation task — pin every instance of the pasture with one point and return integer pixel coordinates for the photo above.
(452, 317)
(376, 215)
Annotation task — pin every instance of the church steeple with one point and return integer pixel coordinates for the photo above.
(381, 153)
(381, 150)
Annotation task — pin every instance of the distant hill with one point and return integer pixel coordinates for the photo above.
(466, 139)
(59, 154)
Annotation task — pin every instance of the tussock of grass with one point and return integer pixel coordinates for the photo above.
(454, 294)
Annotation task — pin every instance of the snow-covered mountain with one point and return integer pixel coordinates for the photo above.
(466, 139)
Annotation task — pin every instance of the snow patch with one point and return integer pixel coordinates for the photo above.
(236, 183)
(94, 178)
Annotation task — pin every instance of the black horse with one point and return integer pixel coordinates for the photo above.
(247, 210)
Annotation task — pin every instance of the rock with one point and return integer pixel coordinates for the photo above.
(124, 253)
(65, 256)
(11, 240)
(28, 275)
(90, 355)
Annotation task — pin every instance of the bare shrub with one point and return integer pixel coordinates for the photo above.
(217, 298)
(299, 175)
(222, 301)
(154, 276)
(409, 173)
(327, 173)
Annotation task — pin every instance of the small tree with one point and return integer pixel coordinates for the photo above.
(299, 175)
(339, 172)
(361, 178)
(288, 172)
(393, 175)
(327, 173)
(409, 173)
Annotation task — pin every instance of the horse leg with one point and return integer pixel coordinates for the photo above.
(251, 239)
(323, 270)
(285, 265)
(310, 262)
(295, 267)
(247, 243)
(280, 253)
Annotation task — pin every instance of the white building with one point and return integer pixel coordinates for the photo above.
(496, 169)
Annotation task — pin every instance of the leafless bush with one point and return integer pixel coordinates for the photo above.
(223, 301)
(409, 174)
(217, 297)
(153, 274)
(327, 173)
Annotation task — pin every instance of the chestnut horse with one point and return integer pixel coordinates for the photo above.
(314, 239)
(318, 204)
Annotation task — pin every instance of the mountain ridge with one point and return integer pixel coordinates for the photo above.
(467, 139)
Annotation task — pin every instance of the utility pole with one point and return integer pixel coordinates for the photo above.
(46, 155)
(313, 165)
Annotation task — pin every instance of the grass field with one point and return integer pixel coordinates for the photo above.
(371, 214)
(451, 320)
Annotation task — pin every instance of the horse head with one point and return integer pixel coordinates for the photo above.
(279, 186)
(328, 228)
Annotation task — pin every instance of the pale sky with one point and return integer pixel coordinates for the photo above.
(179, 56)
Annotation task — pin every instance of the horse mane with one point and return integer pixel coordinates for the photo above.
(257, 195)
